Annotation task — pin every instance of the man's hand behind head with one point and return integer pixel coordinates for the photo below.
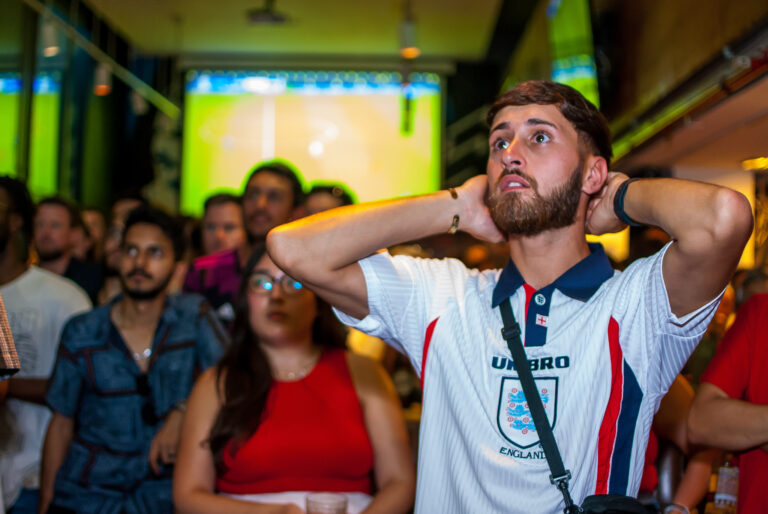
(600, 218)
(475, 219)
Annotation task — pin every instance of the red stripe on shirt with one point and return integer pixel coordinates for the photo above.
(427, 340)
(607, 435)
(529, 292)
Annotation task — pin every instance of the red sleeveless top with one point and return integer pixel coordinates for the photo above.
(312, 438)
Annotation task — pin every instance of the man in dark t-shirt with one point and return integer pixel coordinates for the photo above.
(54, 224)
(273, 195)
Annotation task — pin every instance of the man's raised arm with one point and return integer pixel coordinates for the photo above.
(322, 250)
(709, 224)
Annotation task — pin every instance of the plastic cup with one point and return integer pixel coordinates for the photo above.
(326, 503)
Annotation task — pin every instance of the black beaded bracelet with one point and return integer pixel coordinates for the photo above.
(618, 204)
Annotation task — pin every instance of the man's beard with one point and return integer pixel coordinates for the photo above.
(528, 217)
(143, 295)
(50, 255)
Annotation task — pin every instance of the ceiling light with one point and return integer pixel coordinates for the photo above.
(266, 15)
(759, 163)
(408, 48)
(50, 39)
(102, 80)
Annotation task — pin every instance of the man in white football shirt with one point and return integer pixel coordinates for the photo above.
(603, 346)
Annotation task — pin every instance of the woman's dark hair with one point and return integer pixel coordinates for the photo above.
(245, 373)
(589, 123)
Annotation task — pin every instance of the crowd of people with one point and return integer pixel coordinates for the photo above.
(172, 364)
(116, 322)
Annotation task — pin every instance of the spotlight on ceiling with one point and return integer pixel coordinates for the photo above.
(266, 15)
(50, 39)
(102, 80)
(408, 47)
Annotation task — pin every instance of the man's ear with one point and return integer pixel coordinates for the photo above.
(595, 174)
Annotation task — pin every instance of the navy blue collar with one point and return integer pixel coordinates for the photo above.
(580, 282)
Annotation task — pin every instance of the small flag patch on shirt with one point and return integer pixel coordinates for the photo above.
(541, 320)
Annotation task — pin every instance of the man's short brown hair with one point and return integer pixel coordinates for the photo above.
(589, 123)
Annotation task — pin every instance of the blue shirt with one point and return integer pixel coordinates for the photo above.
(117, 409)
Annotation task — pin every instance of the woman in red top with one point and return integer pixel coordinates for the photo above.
(288, 411)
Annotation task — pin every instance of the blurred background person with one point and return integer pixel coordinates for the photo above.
(56, 224)
(288, 410)
(748, 282)
(96, 225)
(273, 195)
(82, 244)
(323, 196)
(730, 410)
(222, 224)
(121, 381)
(38, 303)
(112, 243)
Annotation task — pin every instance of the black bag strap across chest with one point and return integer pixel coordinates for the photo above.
(560, 476)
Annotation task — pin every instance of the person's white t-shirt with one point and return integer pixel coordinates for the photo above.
(603, 347)
(38, 304)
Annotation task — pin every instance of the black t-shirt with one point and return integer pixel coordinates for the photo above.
(87, 275)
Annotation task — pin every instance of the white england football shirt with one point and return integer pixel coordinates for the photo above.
(603, 346)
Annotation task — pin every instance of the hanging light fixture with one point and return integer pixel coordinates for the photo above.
(102, 80)
(50, 39)
(408, 47)
(102, 77)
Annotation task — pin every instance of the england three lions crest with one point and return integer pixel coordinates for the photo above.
(514, 416)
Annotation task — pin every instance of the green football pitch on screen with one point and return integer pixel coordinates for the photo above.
(44, 136)
(332, 126)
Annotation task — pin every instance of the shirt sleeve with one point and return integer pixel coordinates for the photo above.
(211, 337)
(727, 368)
(652, 336)
(405, 294)
(66, 383)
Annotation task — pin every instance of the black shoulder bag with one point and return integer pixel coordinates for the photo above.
(598, 503)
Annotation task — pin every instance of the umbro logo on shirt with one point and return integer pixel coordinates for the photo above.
(559, 362)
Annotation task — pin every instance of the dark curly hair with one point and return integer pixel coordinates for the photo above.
(20, 203)
(245, 373)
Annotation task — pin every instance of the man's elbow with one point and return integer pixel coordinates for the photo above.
(281, 247)
(734, 221)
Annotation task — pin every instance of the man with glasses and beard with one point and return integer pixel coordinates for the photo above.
(121, 380)
(603, 346)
